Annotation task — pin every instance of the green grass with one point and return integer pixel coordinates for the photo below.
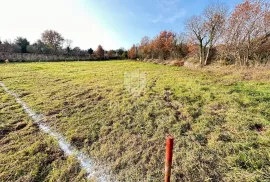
(220, 121)
(26, 154)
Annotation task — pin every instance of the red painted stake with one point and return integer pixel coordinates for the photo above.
(169, 154)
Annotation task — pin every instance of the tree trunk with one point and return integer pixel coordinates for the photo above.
(207, 56)
(208, 52)
(201, 53)
(247, 56)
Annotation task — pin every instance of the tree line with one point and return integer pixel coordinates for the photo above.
(239, 37)
(53, 43)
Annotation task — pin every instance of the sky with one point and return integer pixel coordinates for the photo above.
(89, 23)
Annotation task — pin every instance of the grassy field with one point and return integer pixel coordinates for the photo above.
(26, 154)
(120, 112)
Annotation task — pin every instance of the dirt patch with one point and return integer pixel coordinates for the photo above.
(25, 94)
(20, 126)
(53, 112)
(77, 141)
(99, 98)
(257, 127)
(4, 131)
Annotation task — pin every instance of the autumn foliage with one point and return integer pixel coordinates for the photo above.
(165, 46)
(248, 29)
(100, 52)
(132, 52)
(240, 38)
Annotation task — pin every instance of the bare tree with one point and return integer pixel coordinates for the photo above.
(144, 47)
(9, 46)
(207, 28)
(68, 43)
(53, 39)
(197, 31)
(214, 23)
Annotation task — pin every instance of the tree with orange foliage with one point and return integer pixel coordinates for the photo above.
(100, 52)
(266, 14)
(165, 44)
(246, 25)
(132, 53)
(192, 48)
(153, 49)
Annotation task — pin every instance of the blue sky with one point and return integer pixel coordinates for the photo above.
(133, 19)
(111, 23)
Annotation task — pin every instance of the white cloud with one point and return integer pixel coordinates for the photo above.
(29, 18)
(169, 11)
(158, 19)
(176, 16)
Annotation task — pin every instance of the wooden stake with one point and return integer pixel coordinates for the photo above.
(169, 154)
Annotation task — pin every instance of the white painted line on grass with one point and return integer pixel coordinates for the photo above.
(87, 164)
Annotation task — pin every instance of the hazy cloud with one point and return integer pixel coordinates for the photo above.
(70, 18)
(168, 11)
